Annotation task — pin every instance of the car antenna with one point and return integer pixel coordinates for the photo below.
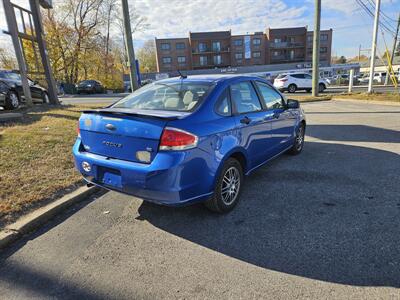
(182, 76)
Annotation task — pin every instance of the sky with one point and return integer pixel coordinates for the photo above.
(351, 26)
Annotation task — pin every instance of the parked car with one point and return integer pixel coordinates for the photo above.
(185, 140)
(293, 82)
(12, 91)
(89, 86)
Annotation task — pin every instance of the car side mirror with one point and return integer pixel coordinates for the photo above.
(293, 104)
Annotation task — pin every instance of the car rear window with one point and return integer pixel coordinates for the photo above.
(175, 96)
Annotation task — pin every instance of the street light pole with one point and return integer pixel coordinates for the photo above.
(13, 30)
(51, 83)
(315, 70)
(129, 45)
(373, 49)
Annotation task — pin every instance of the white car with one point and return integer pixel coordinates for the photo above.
(292, 82)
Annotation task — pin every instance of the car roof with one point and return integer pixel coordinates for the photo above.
(209, 78)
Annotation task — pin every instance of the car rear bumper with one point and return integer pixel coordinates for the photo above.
(173, 178)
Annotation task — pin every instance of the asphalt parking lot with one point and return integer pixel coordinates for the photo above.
(324, 224)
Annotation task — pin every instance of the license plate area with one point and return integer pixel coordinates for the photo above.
(110, 177)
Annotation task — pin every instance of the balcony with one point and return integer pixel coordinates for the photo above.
(286, 58)
(286, 45)
(210, 66)
(211, 50)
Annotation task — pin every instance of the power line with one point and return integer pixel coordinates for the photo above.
(383, 14)
(371, 14)
(385, 18)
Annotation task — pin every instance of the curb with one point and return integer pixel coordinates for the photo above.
(35, 219)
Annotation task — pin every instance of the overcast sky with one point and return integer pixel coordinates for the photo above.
(175, 18)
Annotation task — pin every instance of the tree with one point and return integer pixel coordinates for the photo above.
(357, 58)
(397, 52)
(7, 60)
(339, 60)
(147, 57)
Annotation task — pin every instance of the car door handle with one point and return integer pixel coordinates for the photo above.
(246, 120)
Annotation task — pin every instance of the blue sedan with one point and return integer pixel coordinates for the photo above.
(189, 139)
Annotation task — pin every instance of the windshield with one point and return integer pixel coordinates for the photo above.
(176, 96)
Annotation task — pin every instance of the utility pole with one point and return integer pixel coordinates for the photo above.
(315, 70)
(129, 45)
(393, 49)
(373, 49)
(359, 53)
(51, 83)
(12, 29)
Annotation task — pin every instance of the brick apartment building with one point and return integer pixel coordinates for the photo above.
(218, 49)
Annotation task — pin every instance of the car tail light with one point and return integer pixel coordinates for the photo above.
(78, 130)
(177, 139)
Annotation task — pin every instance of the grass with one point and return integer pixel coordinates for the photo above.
(391, 97)
(308, 97)
(36, 164)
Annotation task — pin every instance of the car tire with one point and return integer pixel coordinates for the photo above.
(292, 88)
(227, 188)
(12, 101)
(45, 98)
(321, 87)
(298, 144)
(308, 90)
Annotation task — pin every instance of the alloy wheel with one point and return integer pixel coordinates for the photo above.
(230, 186)
(14, 100)
(300, 137)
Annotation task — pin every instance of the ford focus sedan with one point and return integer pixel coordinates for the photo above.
(189, 139)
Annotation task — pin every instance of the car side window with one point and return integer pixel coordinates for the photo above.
(244, 97)
(272, 98)
(307, 76)
(223, 105)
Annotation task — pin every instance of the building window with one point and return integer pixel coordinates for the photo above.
(291, 39)
(166, 60)
(324, 37)
(238, 55)
(257, 41)
(165, 46)
(323, 50)
(181, 60)
(216, 46)
(180, 46)
(277, 40)
(203, 60)
(238, 42)
(276, 53)
(309, 38)
(309, 51)
(202, 47)
(256, 54)
(217, 59)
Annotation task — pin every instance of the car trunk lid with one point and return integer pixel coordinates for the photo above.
(125, 134)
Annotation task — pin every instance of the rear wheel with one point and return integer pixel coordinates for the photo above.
(228, 187)
(299, 140)
(321, 87)
(308, 90)
(12, 100)
(292, 88)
